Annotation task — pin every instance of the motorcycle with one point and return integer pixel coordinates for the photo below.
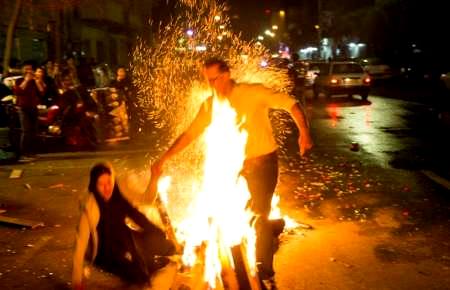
(47, 127)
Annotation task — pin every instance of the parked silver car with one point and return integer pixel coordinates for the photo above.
(341, 77)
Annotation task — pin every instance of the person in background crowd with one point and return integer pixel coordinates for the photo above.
(124, 85)
(29, 90)
(122, 81)
(78, 113)
(56, 74)
(49, 68)
(72, 67)
(115, 247)
(51, 92)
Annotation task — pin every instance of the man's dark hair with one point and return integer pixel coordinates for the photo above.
(223, 65)
(29, 62)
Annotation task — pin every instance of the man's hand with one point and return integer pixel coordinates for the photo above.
(28, 77)
(305, 143)
(157, 168)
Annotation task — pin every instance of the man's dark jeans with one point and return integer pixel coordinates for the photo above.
(261, 174)
(28, 124)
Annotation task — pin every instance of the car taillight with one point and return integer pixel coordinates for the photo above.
(334, 81)
(367, 80)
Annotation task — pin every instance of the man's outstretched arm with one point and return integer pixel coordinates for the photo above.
(196, 128)
(305, 141)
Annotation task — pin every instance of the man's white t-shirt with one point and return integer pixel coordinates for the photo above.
(252, 103)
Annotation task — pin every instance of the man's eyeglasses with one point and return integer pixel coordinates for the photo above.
(212, 80)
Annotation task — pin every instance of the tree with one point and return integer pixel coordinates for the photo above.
(10, 36)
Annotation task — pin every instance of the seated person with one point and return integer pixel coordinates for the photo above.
(115, 247)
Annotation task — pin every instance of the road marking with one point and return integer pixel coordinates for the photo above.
(436, 178)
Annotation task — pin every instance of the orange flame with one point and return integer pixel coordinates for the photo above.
(219, 217)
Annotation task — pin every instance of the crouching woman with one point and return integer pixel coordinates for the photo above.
(105, 239)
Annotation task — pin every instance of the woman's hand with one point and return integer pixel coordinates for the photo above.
(79, 286)
(157, 168)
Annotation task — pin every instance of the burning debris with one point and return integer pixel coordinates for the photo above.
(217, 232)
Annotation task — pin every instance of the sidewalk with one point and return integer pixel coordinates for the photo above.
(140, 146)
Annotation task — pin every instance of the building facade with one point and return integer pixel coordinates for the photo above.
(102, 30)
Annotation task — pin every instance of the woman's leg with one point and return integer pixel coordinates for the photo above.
(153, 248)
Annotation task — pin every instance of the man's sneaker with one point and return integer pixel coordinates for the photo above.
(268, 284)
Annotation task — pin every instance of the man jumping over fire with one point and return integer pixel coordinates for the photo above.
(252, 103)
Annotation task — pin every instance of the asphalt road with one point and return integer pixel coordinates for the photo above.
(379, 221)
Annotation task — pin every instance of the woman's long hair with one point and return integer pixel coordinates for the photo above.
(98, 170)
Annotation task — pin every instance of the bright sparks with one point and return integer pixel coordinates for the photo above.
(207, 198)
(170, 91)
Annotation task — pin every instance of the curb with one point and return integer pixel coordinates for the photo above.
(87, 154)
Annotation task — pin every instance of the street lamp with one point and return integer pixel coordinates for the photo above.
(269, 33)
(319, 37)
(275, 27)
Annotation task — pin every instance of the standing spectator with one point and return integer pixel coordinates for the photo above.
(56, 75)
(49, 68)
(72, 67)
(28, 90)
(122, 81)
(78, 114)
(50, 95)
(125, 87)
